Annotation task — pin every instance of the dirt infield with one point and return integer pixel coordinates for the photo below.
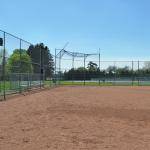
(77, 118)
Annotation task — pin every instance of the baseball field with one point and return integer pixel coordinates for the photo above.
(77, 117)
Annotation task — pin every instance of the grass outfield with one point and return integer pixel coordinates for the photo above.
(94, 83)
(15, 86)
(69, 83)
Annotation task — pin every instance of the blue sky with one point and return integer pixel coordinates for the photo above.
(121, 28)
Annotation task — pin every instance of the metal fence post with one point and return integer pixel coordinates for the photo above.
(40, 65)
(55, 67)
(138, 72)
(72, 69)
(4, 50)
(99, 66)
(20, 67)
(60, 68)
(43, 68)
(84, 69)
(132, 74)
(114, 73)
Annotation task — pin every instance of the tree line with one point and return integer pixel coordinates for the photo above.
(92, 71)
(37, 59)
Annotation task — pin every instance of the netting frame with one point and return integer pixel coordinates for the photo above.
(59, 53)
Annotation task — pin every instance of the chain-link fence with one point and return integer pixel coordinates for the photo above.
(88, 69)
(22, 65)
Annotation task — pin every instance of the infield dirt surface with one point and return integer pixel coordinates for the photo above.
(77, 118)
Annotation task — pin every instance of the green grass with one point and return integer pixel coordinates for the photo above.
(15, 86)
(135, 83)
(78, 83)
(7, 85)
(130, 83)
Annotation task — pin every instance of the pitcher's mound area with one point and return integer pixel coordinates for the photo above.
(77, 118)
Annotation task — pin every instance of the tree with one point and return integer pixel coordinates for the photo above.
(47, 62)
(111, 69)
(1, 55)
(146, 65)
(1, 61)
(19, 62)
(93, 71)
(124, 72)
(41, 59)
(92, 66)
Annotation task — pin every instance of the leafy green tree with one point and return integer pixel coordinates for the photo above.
(19, 62)
(92, 66)
(41, 59)
(124, 72)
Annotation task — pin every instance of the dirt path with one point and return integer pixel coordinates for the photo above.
(77, 118)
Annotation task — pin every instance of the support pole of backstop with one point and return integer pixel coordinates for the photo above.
(60, 68)
(73, 69)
